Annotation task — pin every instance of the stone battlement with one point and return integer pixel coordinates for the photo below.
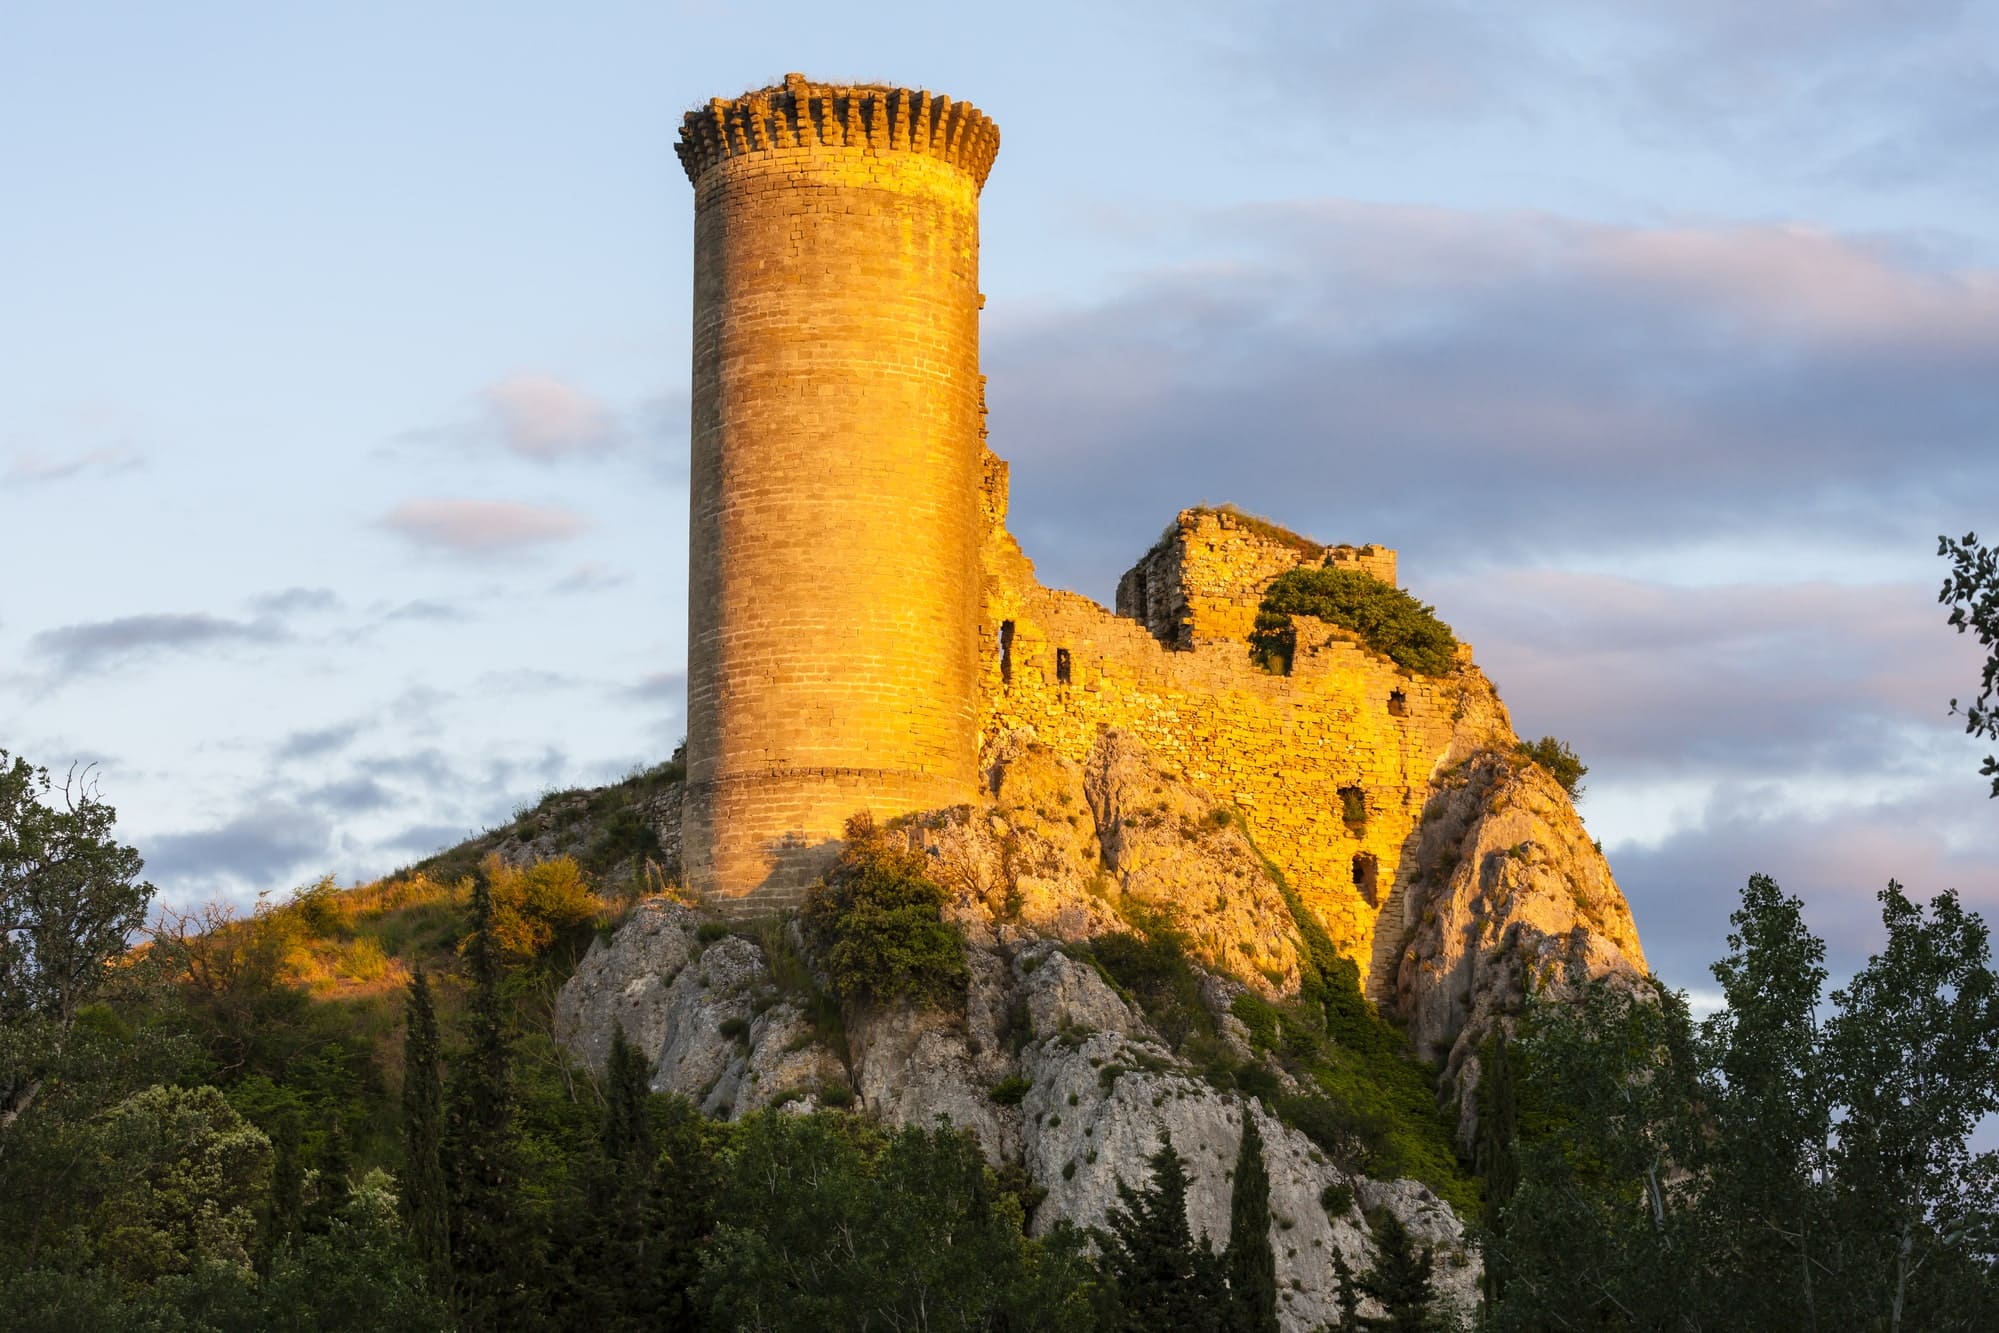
(873, 117)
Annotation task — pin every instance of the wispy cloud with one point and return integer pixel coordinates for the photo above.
(31, 468)
(589, 576)
(1499, 386)
(316, 742)
(96, 645)
(481, 527)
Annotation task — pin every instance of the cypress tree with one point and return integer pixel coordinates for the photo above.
(285, 1211)
(1400, 1280)
(1250, 1262)
(425, 1201)
(613, 1266)
(1349, 1297)
(487, 1249)
(332, 1167)
(1162, 1278)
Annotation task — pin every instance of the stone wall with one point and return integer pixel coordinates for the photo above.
(1283, 750)
(838, 415)
(1204, 579)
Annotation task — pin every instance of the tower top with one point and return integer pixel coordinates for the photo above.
(801, 114)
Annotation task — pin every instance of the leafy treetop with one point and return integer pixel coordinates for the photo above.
(1388, 620)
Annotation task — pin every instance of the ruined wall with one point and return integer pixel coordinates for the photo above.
(1204, 579)
(837, 426)
(1280, 749)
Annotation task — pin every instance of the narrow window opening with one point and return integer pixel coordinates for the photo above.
(1141, 603)
(1398, 704)
(1006, 652)
(1353, 807)
(1367, 877)
(1062, 666)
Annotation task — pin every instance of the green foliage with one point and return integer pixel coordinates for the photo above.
(490, 1246)
(426, 1200)
(1159, 1276)
(1153, 969)
(1387, 619)
(881, 918)
(1399, 1280)
(1769, 1169)
(1560, 761)
(177, 1178)
(1249, 1263)
(1009, 1090)
(1971, 590)
(831, 1224)
(1260, 1016)
(1374, 1108)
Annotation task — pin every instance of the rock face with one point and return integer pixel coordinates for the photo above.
(1051, 1066)
(1510, 898)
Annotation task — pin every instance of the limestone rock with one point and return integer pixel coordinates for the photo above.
(625, 981)
(1510, 895)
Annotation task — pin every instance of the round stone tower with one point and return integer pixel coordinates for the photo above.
(838, 424)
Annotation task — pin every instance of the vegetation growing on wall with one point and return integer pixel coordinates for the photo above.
(880, 918)
(1386, 618)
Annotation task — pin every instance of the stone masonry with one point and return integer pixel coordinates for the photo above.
(862, 626)
(837, 434)
(1328, 768)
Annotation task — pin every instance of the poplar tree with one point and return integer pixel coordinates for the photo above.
(425, 1195)
(1250, 1263)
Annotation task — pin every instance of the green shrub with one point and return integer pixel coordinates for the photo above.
(1154, 970)
(1561, 762)
(1260, 1017)
(1388, 620)
(881, 918)
(1009, 1090)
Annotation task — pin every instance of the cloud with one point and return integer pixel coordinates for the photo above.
(96, 645)
(542, 418)
(262, 848)
(1656, 681)
(664, 686)
(537, 417)
(425, 609)
(481, 527)
(423, 839)
(34, 469)
(1863, 92)
(295, 601)
(1503, 387)
(589, 577)
(1836, 856)
(314, 743)
(351, 796)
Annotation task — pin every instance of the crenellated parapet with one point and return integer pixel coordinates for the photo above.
(875, 117)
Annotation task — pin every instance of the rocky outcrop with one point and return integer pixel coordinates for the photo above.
(1510, 898)
(1052, 1067)
(1094, 1090)
(706, 1013)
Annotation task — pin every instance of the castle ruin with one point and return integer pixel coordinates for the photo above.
(862, 625)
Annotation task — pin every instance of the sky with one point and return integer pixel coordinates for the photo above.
(343, 432)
